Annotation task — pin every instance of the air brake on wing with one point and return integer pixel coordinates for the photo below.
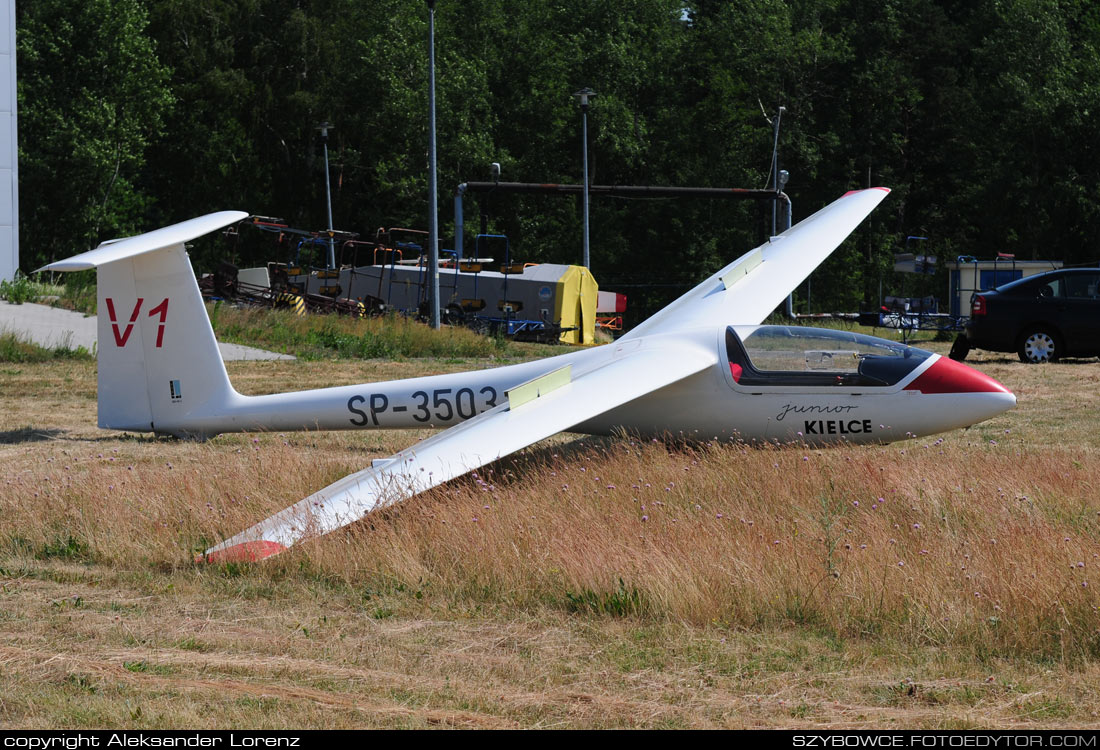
(539, 386)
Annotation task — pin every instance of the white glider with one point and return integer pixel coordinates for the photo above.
(703, 366)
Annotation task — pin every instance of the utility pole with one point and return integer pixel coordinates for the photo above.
(433, 213)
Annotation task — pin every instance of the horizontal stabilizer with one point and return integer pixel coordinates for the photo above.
(113, 250)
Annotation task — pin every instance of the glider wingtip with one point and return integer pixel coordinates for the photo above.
(65, 265)
(864, 190)
(243, 552)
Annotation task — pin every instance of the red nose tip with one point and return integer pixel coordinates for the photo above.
(948, 376)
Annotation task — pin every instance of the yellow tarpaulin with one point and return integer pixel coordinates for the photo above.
(576, 305)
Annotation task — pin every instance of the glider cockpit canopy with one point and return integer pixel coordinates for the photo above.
(794, 356)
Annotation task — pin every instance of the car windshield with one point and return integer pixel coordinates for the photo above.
(789, 355)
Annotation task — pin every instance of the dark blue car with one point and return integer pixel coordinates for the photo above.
(1041, 318)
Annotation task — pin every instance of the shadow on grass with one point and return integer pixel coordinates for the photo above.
(30, 435)
(42, 434)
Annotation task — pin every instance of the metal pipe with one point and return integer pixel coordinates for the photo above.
(775, 161)
(622, 191)
(788, 213)
(324, 126)
(459, 223)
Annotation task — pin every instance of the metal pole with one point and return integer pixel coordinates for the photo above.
(775, 162)
(459, 222)
(583, 95)
(433, 214)
(788, 215)
(324, 126)
(584, 151)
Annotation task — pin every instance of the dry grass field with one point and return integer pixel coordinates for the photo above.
(947, 582)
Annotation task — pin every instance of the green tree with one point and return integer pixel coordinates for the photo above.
(92, 96)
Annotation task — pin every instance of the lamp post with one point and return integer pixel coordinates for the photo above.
(433, 213)
(583, 95)
(324, 127)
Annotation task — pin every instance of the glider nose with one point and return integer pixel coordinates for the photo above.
(948, 376)
(985, 396)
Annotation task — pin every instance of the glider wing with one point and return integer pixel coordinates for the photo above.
(747, 290)
(534, 411)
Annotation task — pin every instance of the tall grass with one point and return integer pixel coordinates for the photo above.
(79, 292)
(25, 289)
(17, 290)
(15, 349)
(909, 543)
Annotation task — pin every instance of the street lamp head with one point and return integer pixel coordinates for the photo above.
(583, 96)
(324, 127)
(784, 175)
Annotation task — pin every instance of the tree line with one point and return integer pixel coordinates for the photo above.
(979, 114)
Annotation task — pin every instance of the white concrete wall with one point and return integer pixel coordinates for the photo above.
(9, 148)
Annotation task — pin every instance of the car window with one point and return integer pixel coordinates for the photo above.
(1083, 285)
(1052, 288)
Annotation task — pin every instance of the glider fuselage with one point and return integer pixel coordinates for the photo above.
(830, 405)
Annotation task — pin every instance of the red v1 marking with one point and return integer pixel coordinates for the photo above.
(162, 308)
(124, 336)
(120, 340)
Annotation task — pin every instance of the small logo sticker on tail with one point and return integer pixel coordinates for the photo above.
(174, 387)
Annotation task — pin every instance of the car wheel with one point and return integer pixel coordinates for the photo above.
(960, 348)
(1039, 345)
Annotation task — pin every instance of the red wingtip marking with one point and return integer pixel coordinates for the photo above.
(850, 192)
(243, 552)
(948, 376)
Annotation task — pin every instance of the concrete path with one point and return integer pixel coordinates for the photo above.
(52, 327)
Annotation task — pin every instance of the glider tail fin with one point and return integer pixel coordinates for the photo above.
(159, 363)
(158, 358)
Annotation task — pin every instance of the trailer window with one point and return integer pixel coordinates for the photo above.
(791, 356)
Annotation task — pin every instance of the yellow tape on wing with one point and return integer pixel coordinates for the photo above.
(540, 386)
(744, 268)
